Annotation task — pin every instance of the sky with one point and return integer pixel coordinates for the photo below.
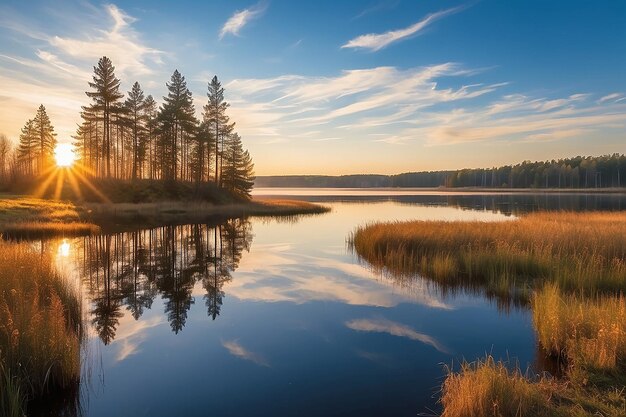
(340, 87)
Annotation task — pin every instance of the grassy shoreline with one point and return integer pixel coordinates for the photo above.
(40, 329)
(571, 270)
(23, 216)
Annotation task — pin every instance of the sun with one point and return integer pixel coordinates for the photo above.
(64, 155)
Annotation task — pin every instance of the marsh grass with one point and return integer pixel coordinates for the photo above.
(589, 331)
(489, 388)
(570, 267)
(29, 217)
(577, 251)
(40, 328)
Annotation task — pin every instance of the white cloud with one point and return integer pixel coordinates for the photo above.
(120, 43)
(55, 70)
(399, 106)
(611, 97)
(377, 41)
(395, 329)
(241, 18)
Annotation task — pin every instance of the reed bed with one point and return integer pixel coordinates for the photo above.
(492, 388)
(40, 328)
(572, 266)
(577, 251)
(589, 332)
(489, 388)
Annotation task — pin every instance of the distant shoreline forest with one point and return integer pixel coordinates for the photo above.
(580, 172)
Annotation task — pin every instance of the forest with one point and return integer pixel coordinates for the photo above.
(606, 171)
(130, 137)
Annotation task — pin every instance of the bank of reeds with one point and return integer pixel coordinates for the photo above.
(40, 328)
(590, 332)
(572, 266)
(577, 251)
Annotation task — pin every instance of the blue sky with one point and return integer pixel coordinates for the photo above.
(335, 87)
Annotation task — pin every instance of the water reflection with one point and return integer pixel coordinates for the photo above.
(129, 270)
(293, 320)
(506, 202)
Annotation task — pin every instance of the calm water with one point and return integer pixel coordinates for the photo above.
(267, 317)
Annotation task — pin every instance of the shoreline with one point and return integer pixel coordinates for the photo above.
(23, 216)
(447, 190)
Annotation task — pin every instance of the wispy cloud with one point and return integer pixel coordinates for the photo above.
(395, 329)
(612, 97)
(236, 349)
(241, 18)
(120, 43)
(53, 65)
(377, 41)
(382, 5)
(400, 106)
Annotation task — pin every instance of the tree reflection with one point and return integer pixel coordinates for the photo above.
(131, 269)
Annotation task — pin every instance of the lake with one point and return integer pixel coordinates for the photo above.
(271, 317)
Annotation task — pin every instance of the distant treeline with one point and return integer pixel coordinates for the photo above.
(578, 172)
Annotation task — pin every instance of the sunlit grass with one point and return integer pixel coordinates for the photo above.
(40, 327)
(489, 388)
(572, 268)
(589, 332)
(578, 251)
(34, 217)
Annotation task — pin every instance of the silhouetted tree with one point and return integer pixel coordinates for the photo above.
(135, 104)
(106, 96)
(238, 169)
(218, 121)
(27, 148)
(46, 138)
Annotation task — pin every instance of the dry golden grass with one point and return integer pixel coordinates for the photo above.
(574, 265)
(577, 251)
(40, 327)
(489, 388)
(34, 217)
(590, 332)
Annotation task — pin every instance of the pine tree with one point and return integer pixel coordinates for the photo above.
(201, 157)
(219, 122)
(238, 169)
(150, 114)
(178, 123)
(136, 119)
(46, 139)
(5, 151)
(27, 148)
(106, 96)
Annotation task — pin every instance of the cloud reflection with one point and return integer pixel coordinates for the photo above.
(275, 272)
(395, 329)
(132, 334)
(235, 349)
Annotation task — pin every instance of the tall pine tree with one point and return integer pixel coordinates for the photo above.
(135, 104)
(106, 97)
(46, 139)
(177, 122)
(219, 122)
(27, 149)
